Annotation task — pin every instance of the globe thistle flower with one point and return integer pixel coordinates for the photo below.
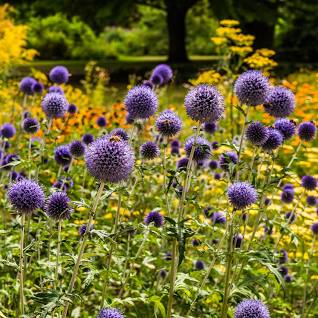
(56, 89)
(30, 125)
(109, 313)
(237, 240)
(182, 163)
(57, 206)
(217, 176)
(175, 151)
(164, 71)
(283, 257)
(274, 140)
(267, 201)
(307, 131)
(59, 74)
(312, 200)
(154, 217)
(207, 211)
(15, 176)
(141, 102)
(215, 145)
(288, 186)
(149, 150)
(213, 164)
(63, 184)
(26, 85)
(283, 270)
(268, 230)
(175, 143)
(54, 105)
(110, 159)
(72, 109)
(204, 103)
(202, 148)
(290, 217)
(309, 182)
(167, 256)
(163, 273)
(77, 148)
(82, 229)
(8, 160)
(280, 102)
(250, 308)
(101, 121)
(287, 196)
(87, 139)
(286, 127)
(26, 196)
(210, 127)
(156, 79)
(218, 218)
(62, 155)
(256, 133)
(287, 278)
(148, 84)
(168, 123)
(37, 88)
(241, 195)
(314, 228)
(120, 132)
(196, 242)
(199, 265)
(226, 159)
(7, 130)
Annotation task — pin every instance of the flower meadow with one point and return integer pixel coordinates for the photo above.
(146, 208)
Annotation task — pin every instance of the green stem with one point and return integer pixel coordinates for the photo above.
(22, 265)
(58, 252)
(164, 164)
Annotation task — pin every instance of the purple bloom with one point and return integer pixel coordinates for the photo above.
(57, 206)
(175, 143)
(307, 131)
(210, 127)
(120, 132)
(213, 164)
(274, 140)
(287, 278)
(26, 196)
(82, 229)
(283, 257)
(314, 228)
(312, 200)
(7, 130)
(26, 85)
(202, 148)
(237, 240)
(218, 218)
(30, 125)
(163, 274)
(87, 139)
(62, 155)
(37, 88)
(149, 150)
(164, 71)
(250, 308)
(109, 313)
(283, 270)
(59, 74)
(154, 217)
(72, 109)
(204, 103)
(77, 148)
(63, 184)
(168, 123)
(280, 102)
(287, 196)
(199, 265)
(196, 242)
(256, 133)
(244, 217)
(267, 201)
(54, 105)
(8, 160)
(217, 176)
(215, 145)
(175, 151)
(309, 182)
(241, 195)
(56, 89)
(288, 186)
(252, 88)
(156, 79)
(182, 163)
(110, 159)
(147, 84)
(141, 102)
(227, 159)
(286, 127)
(101, 121)
(290, 217)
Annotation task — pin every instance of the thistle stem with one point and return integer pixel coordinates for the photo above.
(58, 252)
(22, 265)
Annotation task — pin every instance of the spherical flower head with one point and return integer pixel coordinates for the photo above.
(77, 148)
(312, 200)
(154, 217)
(30, 125)
(148, 84)
(175, 143)
(141, 102)
(241, 195)
(182, 163)
(26, 85)
(63, 184)
(8, 159)
(215, 145)
(213, 164)
(290, 217)
(120, 132)
(283, 270)
(164, 71)
(26, 196)
(58, 206)
(72, 109)
(314, 228)
(286, 127)
(37, 88)
(283, 257)
(162, 273)
(250, 308)
(256, 133)
(287, 196)
(101, 121)
(87, 139)
(204, 103)
(109, 313)
(287, 278)
(274, 140)
(62, 155)
(175, 151)
(307, 131)
(59, 74)
(288, 186)
(83, 228)
(267, 201)
(217, 176)
(196, 242)
(54, 105)
(156, 79)
(237, 240)
(7, 130)
(168, 123)
(309, 182)
(56, 89)
(252, 88)
(218, 218)
(110, 159)
(199, 265)
(227, 159)
(210, 127)
(202, 148)
(149, 150)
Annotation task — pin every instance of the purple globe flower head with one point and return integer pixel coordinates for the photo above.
(241, 195)
(82, 229)
(62, 155)
(63, 184)
(109, 313)
(30, 125)
(287, 196)
(164, 71)
(59, 74)
(167, 256)
(8, 161)
(141, 102)
(87, 139)
(110, 159)
(77, 148)
(15, 176)
(210, 127)
(286, 127)
(208, 211)
(58, 207)
(288, 186)
(314, 228)
(283, 270)
(175, 143)
(215, 145)
(217, 176)
(237, 240)
(72, 109)
(283, 257)
(147, 84)
(312, 200)
(154, 217)
(37, 88)
(54, 105)
(307, 131)
(309, 182)
(213, 164)
(101, 121)
(149, 150)
(26, 114)
(26, 196)
(287, 278)
(252, 88)
(7, 130)
(168, 123)
(227, 159)
(267, 201)
(204, 103)
(274, 140)
(268, 230)
(26, 85)
(199, 265)
(280, 102)
(163, 273)
(256, 133)
(218, 218)
(202, 148)
(175, 151)
(56, 89)
(156, 79)
(290, 217)
(129, 119)
(182, 163)
(120, 132)
(250, 308)
(196, 242)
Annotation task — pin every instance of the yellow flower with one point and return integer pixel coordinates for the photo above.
(208, 77)
(229, 23)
